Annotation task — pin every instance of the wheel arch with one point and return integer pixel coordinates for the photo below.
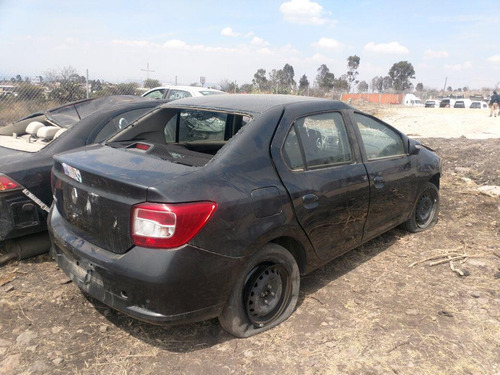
(436, 179)
(296, 249)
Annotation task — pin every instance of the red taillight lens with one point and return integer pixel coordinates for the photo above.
(7, 183)
(168, 225)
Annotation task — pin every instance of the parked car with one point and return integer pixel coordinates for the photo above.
(462, 103)
(479, 105)
(214, 206)
(432, 103)
(446, 103)
(179, 92)
(26, 150)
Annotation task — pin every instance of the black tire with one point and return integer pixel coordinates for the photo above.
(265, 293)
(425, 212)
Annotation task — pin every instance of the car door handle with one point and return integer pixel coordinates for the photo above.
(310, 201)
(378, 182)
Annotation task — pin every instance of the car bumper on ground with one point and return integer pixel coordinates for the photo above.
(158, 286)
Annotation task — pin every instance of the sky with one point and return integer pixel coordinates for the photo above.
(456, 42)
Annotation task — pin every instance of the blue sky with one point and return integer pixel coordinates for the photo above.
(114, 40)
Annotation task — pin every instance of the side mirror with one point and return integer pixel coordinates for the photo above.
(413, 147)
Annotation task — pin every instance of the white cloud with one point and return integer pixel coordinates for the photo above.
(256, 41)
(175, 44)
(227, 31)
(132, 43)
(327, 43)
(265, 51)
(304, 12)
(430, 54)
(458, 67)
(392, 48)
(494, 59)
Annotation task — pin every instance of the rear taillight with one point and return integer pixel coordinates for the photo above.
(6, 183)
(168, 225)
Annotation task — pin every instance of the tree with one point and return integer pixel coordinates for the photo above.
(449, 88)
(278, 82)
(260, 81)
(246, 88)
(419, 87)
(229, 86)
(363, 86)
(151, 83)
(303, 84)
(324, 78)
(401, 73)
(352, 70)
(289, 73)
(377, 84)
(341, 84)
(387, 84)
(67, 85)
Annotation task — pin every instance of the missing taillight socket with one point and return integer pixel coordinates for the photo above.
(166, 226)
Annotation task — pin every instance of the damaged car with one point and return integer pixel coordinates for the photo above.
(215, 206)
(26, 150)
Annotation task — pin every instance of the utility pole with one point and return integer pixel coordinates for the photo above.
(87, 84)
(147, 70)
(444, 88)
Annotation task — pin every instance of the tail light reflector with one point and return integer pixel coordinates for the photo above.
(160, 225)
(6, 183)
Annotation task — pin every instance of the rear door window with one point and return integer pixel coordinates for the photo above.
(323, 138)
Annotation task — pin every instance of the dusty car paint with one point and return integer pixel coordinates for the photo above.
(315, 212)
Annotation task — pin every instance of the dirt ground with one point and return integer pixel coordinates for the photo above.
(384, 308)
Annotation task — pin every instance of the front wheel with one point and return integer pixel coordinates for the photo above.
(264, 295)
(425, 213)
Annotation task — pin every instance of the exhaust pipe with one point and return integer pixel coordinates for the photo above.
(25, 247)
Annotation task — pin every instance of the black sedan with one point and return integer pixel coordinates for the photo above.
(215, 206)
(26, 150)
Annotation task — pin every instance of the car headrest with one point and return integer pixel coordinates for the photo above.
(47, 132)
(59, 132)
(33, 127)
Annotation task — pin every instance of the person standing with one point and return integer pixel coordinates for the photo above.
(494, 102)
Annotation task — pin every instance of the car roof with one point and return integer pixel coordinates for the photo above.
(250, 103)
(187, 88)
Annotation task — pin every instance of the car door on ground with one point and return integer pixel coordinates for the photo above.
(391, 174)
(326, 181)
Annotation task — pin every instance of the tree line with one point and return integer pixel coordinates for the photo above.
(282, 81)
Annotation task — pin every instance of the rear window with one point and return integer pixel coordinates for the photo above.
(189, 126)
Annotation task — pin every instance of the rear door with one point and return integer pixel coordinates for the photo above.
(391, 174)
(327, 183)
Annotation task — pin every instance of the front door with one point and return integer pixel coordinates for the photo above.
(392, 178)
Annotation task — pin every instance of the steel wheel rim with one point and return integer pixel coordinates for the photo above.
(426, 208)
(267, 293)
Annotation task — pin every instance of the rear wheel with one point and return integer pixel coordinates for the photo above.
(425, 213)
(264, 295)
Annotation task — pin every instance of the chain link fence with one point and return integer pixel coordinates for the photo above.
(21, 96)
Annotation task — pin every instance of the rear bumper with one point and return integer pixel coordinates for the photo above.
(158, 286)
(19, 215)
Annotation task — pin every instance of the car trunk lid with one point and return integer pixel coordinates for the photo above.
(96, 187)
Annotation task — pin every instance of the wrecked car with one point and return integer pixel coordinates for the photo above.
(26, 150)
(215, 206)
